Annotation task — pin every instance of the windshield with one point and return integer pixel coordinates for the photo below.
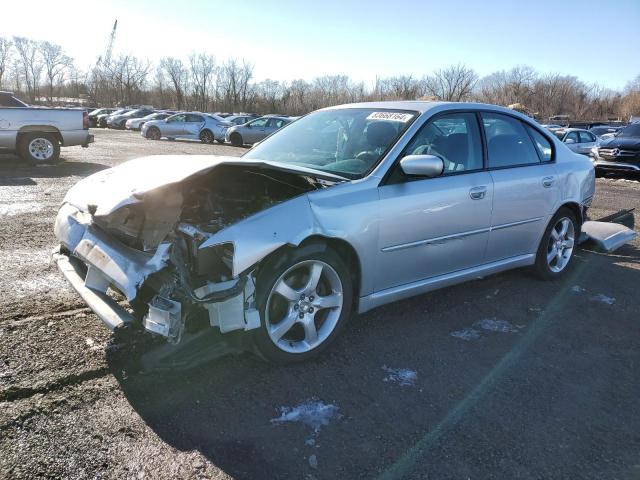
(629, 131)
(347, 142)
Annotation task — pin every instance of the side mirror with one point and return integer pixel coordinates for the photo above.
(422, 165)
(569, 141)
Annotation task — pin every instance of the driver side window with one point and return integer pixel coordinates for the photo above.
(453, 137)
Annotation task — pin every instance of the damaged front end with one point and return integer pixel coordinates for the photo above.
(168, 248)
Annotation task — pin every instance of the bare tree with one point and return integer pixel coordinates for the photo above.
(203, 70)
(56, 63)
(30, 63)
(233, 84)
(454, 83)
(129, 74)
(5, 56)
(178, 78)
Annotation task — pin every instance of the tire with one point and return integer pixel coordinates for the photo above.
(311, 316)
(555, 252)
(206, 136)
(153, 133)
(236, 140)
(39, 148)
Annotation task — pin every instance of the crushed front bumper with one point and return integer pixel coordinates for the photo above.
(112, 314)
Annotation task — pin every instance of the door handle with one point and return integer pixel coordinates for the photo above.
(547, 182)
(477, 193)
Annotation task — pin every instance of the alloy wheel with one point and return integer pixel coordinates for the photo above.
(304, 306)
(561, 242)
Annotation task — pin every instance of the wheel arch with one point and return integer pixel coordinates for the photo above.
(39, 129)
(576, 209)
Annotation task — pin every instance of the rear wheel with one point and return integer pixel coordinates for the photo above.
(236, 140)
(304, 298)
(39, 148)
(555, 252)
(153, 133)
(206, 136)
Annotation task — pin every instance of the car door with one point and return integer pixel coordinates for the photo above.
(433, 226)
(193, 124)
(255, 131)
(572, 140)
(174, 126)
(525, 182)
(587, 142)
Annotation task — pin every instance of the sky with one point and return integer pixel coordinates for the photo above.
(599, 42)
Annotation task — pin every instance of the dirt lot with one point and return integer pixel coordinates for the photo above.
(507, 377)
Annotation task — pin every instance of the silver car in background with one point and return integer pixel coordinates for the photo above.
(578, 140)
(190, 125)
(255, 130)
(348, 208)
(137, 123)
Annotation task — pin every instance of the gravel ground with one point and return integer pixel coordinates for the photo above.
(507, 377)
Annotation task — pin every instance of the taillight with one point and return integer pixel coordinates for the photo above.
(85, 120)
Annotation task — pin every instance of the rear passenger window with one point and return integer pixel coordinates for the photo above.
(586, 137)
(508, 143)
(542, 144)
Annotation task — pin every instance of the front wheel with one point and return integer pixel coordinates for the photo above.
(153, 133)
(304, 297)
(555, 252)
(39, 148)
(236, 140)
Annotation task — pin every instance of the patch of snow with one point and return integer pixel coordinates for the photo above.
(313, 461)
(604, 299)
(313, 413)
(18, 208)
(493, 325)
(466, 334)
(403, 376)
(578, 289)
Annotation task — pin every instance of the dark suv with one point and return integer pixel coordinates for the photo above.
(620, 153)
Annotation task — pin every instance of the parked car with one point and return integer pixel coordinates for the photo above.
(239, 119)
(37, 133)
(346, 209)
(193, 125)
(604, 131)
(101, 120)
(137, 123)
(620, 153)
(578, 140)
(93, 115)
(119, 121)
(255, 130)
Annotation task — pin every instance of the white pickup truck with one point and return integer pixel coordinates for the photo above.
(38, 133)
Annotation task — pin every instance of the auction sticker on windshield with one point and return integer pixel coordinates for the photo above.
(392, 116)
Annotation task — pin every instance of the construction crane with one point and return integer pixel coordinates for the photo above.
(107, 56)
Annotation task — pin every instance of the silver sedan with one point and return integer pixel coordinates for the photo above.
(344, 210)
(191, 125)
(578, 140)
(255, 130)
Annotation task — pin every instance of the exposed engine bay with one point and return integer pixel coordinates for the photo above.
(172, 276)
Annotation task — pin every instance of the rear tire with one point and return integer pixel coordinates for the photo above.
(555, 252)
(302, 317)
(236, 140)
(39, 148)
(206, 136)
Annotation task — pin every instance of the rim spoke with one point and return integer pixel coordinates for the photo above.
(554, 234)
(552, 254)
(310, 331)
(564, 228)
(329, 301)
(286, 291)
(314, 277)
(284, 326)
(568, 243)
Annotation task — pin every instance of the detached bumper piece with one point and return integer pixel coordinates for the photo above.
(112, 314)
(607, 237)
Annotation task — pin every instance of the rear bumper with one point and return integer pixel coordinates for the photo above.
(71, 138)
(112, 314)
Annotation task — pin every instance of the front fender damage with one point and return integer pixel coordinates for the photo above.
(188, 255)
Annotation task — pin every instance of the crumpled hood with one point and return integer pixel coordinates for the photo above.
(127, 183)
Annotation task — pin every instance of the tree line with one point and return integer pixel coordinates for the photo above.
(41, 72)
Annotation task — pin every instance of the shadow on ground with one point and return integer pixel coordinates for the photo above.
(15, 172)
(491, 404)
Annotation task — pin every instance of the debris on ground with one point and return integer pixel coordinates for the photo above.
(313, 413)
(402, 376)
